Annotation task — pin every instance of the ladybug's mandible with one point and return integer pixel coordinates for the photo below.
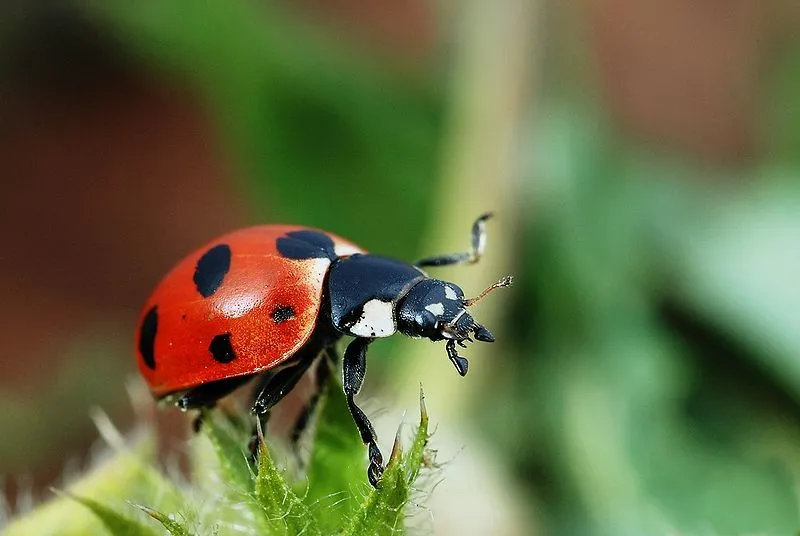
(268, 302)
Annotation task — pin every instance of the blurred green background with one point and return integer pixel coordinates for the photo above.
(643, 160)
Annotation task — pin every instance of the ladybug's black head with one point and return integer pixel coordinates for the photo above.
(437, 310)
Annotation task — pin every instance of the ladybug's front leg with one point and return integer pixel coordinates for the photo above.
(468, 257)
(355, 368)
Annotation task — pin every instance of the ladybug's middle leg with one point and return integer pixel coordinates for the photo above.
(355, 368)
(325, 367)
(271, 389)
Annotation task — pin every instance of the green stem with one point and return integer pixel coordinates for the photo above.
(494, 60)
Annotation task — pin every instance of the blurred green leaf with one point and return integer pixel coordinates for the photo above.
(336, 469)
(120, 476)
(738, 262)
(641, 424)
(117, 523)
(781, 104)
(326, 135)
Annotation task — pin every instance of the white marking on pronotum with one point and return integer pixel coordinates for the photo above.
(377, 320)
(345, 250)
(449, 293)
(436, 308)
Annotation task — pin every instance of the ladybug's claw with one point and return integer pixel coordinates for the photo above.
(374, 473)
(460, 362)
(375, 470)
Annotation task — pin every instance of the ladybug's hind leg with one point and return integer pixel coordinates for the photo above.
(207, 395)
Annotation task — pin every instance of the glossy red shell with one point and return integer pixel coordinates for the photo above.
(258, 282)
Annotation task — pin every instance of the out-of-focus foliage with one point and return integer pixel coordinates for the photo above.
(658, 340)
(229, 495)
(326, 136)
(113, 481)
(649, 378)
(782, 110)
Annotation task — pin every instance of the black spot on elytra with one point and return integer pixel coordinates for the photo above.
(147, 338)
(300, 245)
(211, 269)
(221, 349)
(283, 314)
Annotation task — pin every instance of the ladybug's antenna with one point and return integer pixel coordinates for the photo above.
(505, 282)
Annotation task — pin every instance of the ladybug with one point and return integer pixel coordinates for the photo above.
(266, 303)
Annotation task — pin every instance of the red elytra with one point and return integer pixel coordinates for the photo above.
(264, 307)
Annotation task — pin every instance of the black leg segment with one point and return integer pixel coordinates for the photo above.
(326, 365)
(460, 362)
(206, 396)
(467, 257)
(271, 388)
(355, 368)
(276, 386)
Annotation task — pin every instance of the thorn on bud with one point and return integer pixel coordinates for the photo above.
(397, 448)
(423, 409)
